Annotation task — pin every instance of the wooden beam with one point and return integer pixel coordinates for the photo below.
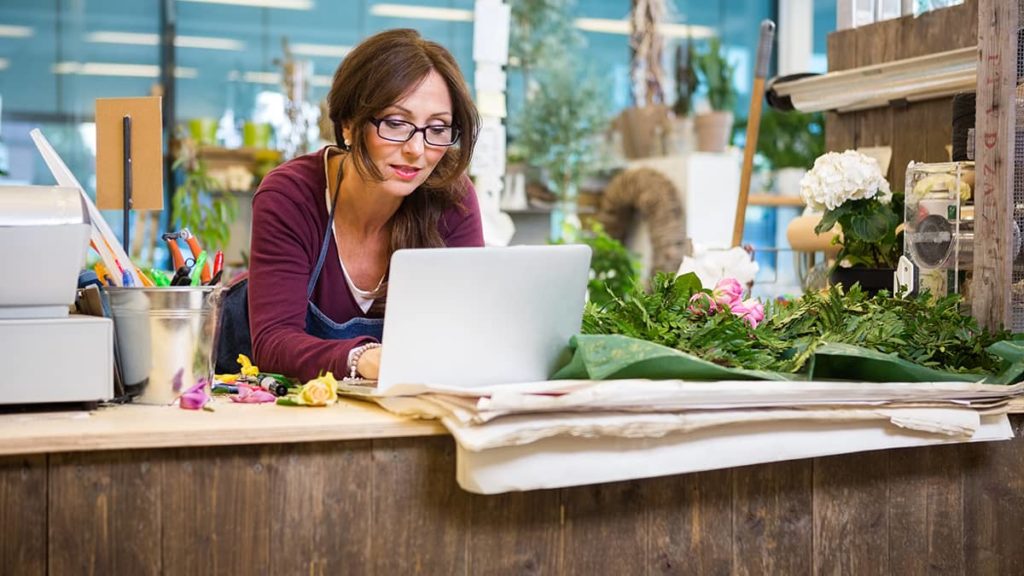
(994, 154)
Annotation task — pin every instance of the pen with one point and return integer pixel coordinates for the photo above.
(198, 269)
(218, 262)
(159, 277)
(147, 282)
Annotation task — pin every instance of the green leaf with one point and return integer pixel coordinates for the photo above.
(828, 220)
(621, 357)
(685, 286)
(846, 362)
(871, 224)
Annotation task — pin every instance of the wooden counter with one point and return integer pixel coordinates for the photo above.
(361, 500)
(135, 426)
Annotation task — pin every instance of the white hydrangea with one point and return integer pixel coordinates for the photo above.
(837, 178)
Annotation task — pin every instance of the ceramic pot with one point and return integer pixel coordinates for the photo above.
(713, 131)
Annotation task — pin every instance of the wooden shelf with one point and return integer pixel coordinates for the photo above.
(774, 200)
(239, 155)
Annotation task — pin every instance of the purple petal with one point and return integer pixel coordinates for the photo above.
(176, 382)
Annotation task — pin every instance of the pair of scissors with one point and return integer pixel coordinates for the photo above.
(182, 276)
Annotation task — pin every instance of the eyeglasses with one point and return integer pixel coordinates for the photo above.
(402, 131)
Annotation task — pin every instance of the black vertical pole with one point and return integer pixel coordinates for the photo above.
(168, 30)
(126, 155)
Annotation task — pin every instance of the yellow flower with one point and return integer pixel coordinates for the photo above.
(319, 391)
(247, 368)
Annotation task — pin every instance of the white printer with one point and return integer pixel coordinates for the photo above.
(48, 355)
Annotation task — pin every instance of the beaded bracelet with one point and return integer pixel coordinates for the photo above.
(353, 360)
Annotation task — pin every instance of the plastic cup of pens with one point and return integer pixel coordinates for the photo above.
(164, 338)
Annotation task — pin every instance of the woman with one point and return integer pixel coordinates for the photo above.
(325, 224)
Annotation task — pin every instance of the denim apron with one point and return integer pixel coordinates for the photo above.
(317, 323)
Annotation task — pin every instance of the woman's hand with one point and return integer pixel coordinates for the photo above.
(369, 364)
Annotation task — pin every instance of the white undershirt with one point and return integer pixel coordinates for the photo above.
(362, 302)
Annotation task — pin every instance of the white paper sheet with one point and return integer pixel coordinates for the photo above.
(567, 461)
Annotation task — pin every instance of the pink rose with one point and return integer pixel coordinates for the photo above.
(702, 303)
(252, 395)
(750, 310)
(728, 292)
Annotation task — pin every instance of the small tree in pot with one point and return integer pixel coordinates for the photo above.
(686, 89)
(717, 75)
(559, 131)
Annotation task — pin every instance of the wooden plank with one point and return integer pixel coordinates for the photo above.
(910, 140)
(515, 533)
(851, 529)
(775, 200)
(427, 532)
(104, 513)
(926, 511)
(772, 518)
(841, 129)
(994, 157)
(939, 30)
(690, 523)
(136, 426)
(877, 43)
(216, 511)
(940, 129)
(23, 537)
(994, 506)
(320, 508)
(605, 530)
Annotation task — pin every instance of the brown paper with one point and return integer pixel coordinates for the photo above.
(147, 153)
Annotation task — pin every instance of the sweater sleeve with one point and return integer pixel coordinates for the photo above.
(462, 226)
(283, 251)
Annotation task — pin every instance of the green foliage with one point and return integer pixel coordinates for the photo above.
(717, 74)
(791, 139)
(559, 124)
(686, 78)
(541, 31)
(614, 271)
(921, 329)
(201, 205)
(869, 231)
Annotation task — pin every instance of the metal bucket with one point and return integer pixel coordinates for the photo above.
(164, 338)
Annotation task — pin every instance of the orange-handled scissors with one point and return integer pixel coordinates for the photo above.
(193, 245)
(172, 245)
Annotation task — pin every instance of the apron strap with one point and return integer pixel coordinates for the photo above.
(327, 237)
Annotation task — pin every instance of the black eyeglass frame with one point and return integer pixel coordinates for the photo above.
(456, 134)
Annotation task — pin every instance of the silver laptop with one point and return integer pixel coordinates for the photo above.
(472, 317)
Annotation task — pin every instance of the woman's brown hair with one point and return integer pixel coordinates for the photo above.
(376, 74)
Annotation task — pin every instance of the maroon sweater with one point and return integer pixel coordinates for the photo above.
(289, 217)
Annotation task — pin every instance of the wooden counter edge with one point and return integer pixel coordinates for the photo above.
(133, 427)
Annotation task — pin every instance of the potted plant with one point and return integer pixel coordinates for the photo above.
(790, 142)
(646, 126)
(558, 132)
(717, 75)
(614, 270)
(851, 192)
(686, 88)
(200, 201)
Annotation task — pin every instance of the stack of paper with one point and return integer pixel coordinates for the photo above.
(574, 432)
